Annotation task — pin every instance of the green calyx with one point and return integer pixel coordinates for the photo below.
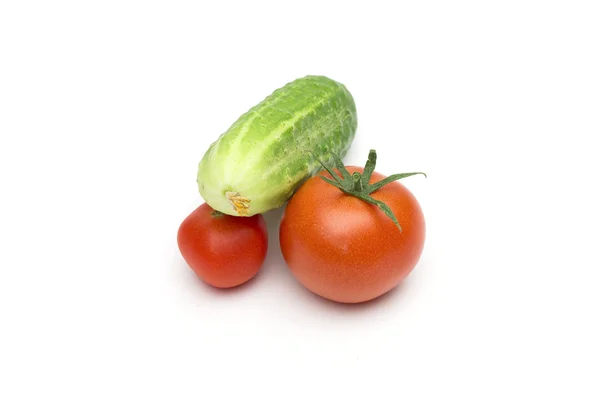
(217, 214)
(357, 184)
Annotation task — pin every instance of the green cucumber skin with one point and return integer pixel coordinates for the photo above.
(273, 148)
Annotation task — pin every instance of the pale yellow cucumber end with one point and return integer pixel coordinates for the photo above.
(240, 204)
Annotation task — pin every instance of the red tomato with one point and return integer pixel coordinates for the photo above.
(223, 250)
(345, 249)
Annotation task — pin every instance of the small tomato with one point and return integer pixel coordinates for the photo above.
(223, 250)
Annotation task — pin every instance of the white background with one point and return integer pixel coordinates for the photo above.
(106, 108)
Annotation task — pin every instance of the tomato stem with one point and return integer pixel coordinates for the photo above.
(216, 214)
(357, 184)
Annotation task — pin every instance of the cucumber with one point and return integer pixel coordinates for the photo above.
(260, 161)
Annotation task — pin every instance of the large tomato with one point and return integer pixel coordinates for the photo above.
(223, 250)
(344, 248)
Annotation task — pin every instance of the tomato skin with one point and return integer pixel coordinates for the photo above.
(345, 249)
(224, 251)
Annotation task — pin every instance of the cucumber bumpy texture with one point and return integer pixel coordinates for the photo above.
(260, 161)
